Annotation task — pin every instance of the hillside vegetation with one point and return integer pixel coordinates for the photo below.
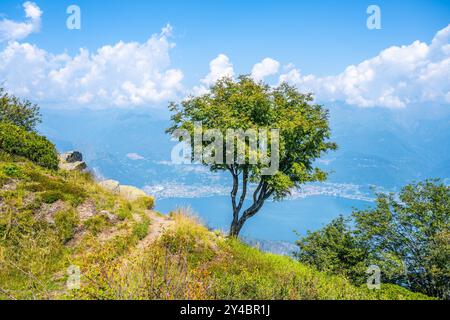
(54, 223)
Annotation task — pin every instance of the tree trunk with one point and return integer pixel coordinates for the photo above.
(236, 227)
(261, 194)
(237, 224)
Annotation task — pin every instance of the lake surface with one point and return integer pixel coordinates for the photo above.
(278, 221)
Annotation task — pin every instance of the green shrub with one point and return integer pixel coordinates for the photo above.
(65, 222)
(68, 190)
(124, 211)
(145, 202)
(17, 141)
(140, 229)
(20, 112)
(11, 170)
(96, 224)
(52, 196)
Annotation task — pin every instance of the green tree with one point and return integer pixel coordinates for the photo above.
(245, 104)
(335, 249)
(409, 236)
(18, 111)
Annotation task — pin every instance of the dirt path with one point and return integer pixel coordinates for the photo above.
(158, 224)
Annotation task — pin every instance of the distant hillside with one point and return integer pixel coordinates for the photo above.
(58, 227)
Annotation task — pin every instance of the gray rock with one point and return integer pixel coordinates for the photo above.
(86, 210)
(110, 216)
(131, 193)
(111, 185)
(70, 166)
(72, 160)
(72, 156)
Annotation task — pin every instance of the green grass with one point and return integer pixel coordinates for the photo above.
(186, 262)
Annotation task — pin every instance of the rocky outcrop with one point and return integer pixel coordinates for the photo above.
(131, 193)
(72, 156)
(111, 185)
(48, 210)
(128, 192)
(86, 210)
(72, 160)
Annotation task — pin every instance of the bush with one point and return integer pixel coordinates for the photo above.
(65, 222)
(334, 249)
(18, 111)
(406, 235)
(140, 229)
(17, 141)
(145, 202)
(52, 196)
(11, 170)
(96, 224)
(124, 211)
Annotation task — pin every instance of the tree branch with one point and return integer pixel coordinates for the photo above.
(244, 189)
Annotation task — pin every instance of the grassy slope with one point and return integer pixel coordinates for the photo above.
(43, 231)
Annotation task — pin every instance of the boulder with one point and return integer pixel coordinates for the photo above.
(86, 210)
(110, 216)
(48, 210)
(72, 156)
(78, 166)
(131, 193)
(111, 185)
(72, 160)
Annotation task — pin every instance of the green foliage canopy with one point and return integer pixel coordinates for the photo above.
(406, 235)
(334, 249)
(18, 141)
(245, 104)
(18, 111)
(409, 236)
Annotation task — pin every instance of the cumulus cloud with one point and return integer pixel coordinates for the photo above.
(140, 74)
(12, 30)
(398, 76)
(265, 68)
(123, 74)
(219, 67)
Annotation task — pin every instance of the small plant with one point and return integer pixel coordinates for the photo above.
(12, 170)
(66, 222)
(146, 203)
(140, 229)
(124, 211)
(52, 196)
(96, 224)
(66, 189)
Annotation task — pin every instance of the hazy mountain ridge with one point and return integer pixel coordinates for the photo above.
(378, 147)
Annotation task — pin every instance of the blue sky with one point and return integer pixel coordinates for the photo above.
(318, 37)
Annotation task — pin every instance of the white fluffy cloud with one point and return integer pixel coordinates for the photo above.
(219, 67)
(265, 68)
(12, 30)
(138, 74)
(123, 74)
(398, 76)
